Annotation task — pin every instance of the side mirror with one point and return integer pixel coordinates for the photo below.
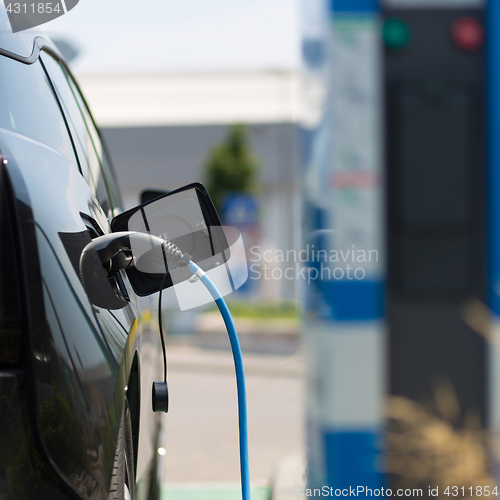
(187, 218)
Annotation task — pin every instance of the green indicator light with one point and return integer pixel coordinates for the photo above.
(396, 34)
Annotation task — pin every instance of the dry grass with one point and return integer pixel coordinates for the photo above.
(429, 447)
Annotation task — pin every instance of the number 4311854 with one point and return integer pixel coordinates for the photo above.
(33, 8)
(478, 491)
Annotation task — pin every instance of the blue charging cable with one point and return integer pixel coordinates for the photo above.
(240, 375)
(107, 247)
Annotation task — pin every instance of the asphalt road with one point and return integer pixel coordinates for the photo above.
(200, 432)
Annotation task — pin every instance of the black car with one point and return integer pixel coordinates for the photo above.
(76, 370)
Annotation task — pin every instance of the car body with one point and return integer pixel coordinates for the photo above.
(75, 377)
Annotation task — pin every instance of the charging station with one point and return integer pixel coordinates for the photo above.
(437, 178)
(405, 160)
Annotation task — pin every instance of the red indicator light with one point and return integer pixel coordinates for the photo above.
(467, 34)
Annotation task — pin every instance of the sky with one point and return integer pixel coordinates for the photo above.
(122, 36)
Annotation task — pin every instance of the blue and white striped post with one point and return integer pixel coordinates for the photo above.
(344, 326)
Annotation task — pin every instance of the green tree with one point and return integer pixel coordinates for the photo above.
(231, 166)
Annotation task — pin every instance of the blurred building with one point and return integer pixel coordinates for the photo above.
(160, 129)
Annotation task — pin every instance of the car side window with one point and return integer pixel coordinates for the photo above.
(107, 169)
(30, 108)
(86, 148)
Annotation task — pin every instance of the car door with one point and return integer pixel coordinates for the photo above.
(80, 353)
(142, 356)
(116, 320)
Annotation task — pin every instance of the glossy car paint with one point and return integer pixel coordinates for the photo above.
(62, 398)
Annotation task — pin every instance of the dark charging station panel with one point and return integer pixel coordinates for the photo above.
(436, 203)
(434, 183)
